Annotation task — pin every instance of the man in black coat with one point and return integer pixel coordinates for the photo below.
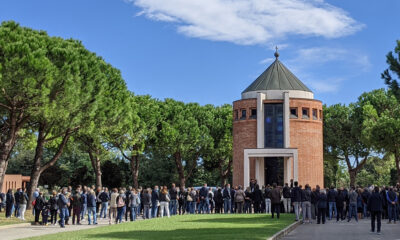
(375, 206)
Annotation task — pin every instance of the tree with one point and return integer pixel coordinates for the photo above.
(184, 135)
(24, 69)
(342, 138)
(394, 66)
(219, 154)
(74, 99)
(132, 138)
(381, 128)
(111, 116)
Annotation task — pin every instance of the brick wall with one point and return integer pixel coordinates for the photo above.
(244, 136)
(307, 136)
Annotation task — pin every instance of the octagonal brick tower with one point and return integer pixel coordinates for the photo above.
(277, 131)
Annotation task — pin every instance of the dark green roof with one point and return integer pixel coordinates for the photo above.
(277, 77)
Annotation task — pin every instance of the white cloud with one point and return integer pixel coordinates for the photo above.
(267, 60)
(250, 22)
(324, 69)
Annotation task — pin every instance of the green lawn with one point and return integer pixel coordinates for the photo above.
(13, 220)
(235, 226)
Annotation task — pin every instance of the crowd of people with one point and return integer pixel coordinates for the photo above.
(126, 204)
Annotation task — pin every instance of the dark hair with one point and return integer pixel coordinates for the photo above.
(376, 189)
(274, 185)
(296, 183)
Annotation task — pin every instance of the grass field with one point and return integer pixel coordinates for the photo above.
(13, 220)
(246, 226)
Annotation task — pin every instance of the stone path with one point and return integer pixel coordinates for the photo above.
(344, 231)
(18, 231)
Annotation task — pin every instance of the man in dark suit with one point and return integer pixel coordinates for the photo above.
(375, 206)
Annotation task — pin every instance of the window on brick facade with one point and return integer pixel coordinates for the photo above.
(243, 116)
(253, 113)
(236, 115)
(306, 113)
(293, 113)
(315, 114)
(320, 114)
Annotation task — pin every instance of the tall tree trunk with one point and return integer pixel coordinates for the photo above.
(353, 176)
(38, 168)
(15, 122)
(135, 170)
(35, 173)
(181, 171)
(224, 172)
(96, 164)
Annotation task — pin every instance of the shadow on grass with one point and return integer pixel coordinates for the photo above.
(198, 234)
(257, 219)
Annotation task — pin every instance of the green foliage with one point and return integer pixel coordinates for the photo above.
(394, 67)
(376, 171)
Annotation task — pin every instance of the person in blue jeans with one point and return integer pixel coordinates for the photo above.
(332, 194)
(104, 197)
(91, 207)
(204, 202)
(391, 198)
(226, 195)
(134, 202)
(120, 206)
(84, 202)
(353, 196)
(173, 204)
(155, 201)
(62, 203)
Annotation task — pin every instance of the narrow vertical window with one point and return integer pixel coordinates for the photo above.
(306, 113)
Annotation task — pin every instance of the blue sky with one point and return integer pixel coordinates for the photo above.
(209, 51)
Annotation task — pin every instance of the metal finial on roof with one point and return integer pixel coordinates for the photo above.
(276, 54)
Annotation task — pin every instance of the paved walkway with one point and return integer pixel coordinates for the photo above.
(344, 231)
(18, 231)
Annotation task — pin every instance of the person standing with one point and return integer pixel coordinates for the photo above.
(322, 204)
(306, 204)
(39, 205)
(134, 202)
(104, 198)
(9, 203)
(286, 198)
(226, 195)
(63, 207)
(239, 199)
(296, 199)
(164, 201)
(2, 200)
(219, 201)
(113, 206)
(257, 198)
(127, 197)
(84, 202)
(121, 203)
(16, 202)
(203, 194)
(276, 200)
(314, 202)
(23, 200)
(155, 201)
(332, 202)
(375, 206)
(391, 198)
(173, 204)
(365, 196)
(353, 195)
(76, 207)
(340, 199)
(53, 208)
(267, 199)
(91, 206)
(146, 200)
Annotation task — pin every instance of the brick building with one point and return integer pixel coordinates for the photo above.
(277, 131)
(15, 181)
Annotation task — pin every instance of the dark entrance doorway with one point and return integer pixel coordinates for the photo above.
(273, 172)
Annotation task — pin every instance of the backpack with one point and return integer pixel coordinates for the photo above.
(120, 202)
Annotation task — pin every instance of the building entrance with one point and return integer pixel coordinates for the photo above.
(273, 172)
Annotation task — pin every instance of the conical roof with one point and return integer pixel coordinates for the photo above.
(277, 77)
